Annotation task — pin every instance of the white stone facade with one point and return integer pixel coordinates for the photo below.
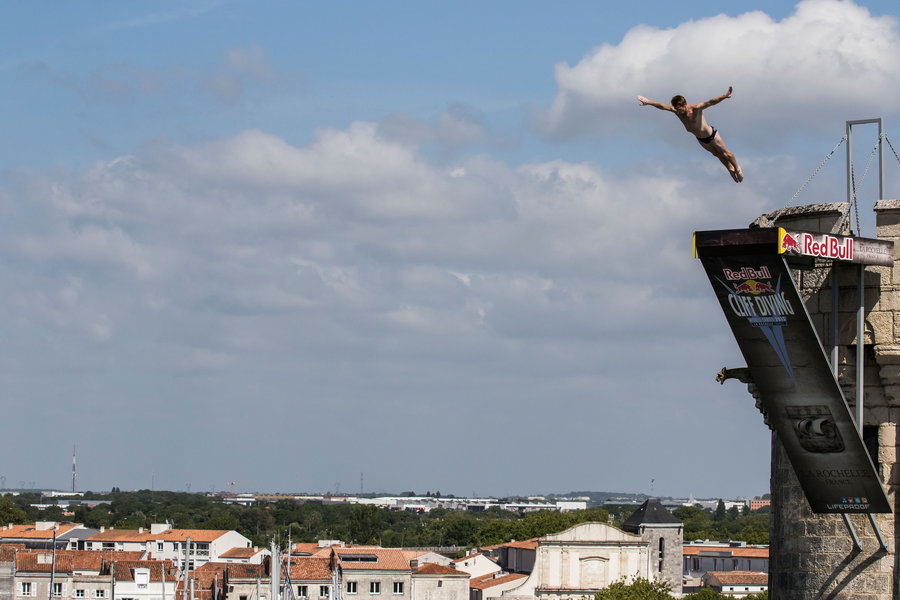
(583, 560)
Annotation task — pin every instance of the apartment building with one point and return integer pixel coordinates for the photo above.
(165, 543)
(371, 573)
(311, 578)
(84, 575)
(438, 582)
(39, 535)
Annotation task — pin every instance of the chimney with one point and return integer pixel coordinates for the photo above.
(140, 530)
(102, 529)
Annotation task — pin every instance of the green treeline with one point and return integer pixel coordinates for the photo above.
(722, 525)
(285, 519)
(642, 589)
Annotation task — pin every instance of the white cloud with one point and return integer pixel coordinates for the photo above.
(354, 227)
(351, 274)
(828, 62)
(457, 127)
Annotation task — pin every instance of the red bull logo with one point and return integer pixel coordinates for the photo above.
(789, 243)
(751, 286)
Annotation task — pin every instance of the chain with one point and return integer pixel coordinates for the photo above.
(868, 163)
(816, 172)
(888, 140)
(853, 201)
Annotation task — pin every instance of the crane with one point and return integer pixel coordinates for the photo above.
(233, 483)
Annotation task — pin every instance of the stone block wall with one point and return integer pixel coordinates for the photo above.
(812, 556)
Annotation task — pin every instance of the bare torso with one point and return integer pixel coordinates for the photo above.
(693, 120)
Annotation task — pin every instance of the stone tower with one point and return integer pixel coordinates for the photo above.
(813, 556)
(665, 534)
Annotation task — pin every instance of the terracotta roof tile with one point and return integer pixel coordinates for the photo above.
(309, 548)
(487, 581)
(436, 569)
(740, 577)
(121, 535)
(41, 562)
(240, 553)
(385, 559)
(92, 560)
(205, 575)
(245, 571)
(531, 544)
(196, 535)
(29, 531)
(306, 568)
(68, 561)
(123, 570)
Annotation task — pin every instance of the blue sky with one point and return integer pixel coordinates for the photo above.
(439, 244)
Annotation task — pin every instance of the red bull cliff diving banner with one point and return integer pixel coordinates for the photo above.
(749, 272)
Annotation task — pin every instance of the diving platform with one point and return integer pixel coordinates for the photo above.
(752, 272)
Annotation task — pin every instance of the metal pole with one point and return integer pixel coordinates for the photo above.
(860, 311)
(53, 565)
(850, 164)
(187, 558)
(857, 545)
(835, 291)
(860, 347)
(880, 159)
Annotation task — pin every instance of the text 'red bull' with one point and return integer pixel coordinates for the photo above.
(747, 273)
(829, 247)
(824, 246)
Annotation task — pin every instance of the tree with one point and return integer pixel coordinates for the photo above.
(720, 513)
(706, 593)
(639, 589)
(365, 523)
(10, 513)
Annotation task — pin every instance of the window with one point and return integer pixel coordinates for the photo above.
(159, 546)
(99, 593)
(398, 587)
(374, 587)
(440, 583)
(57, 588)
(351, 587)
(301, 591)
(79, 593)
(242, 597)
(26, 588)
(662, 553)
(359, 558)
(323, 591)
(141, 577)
